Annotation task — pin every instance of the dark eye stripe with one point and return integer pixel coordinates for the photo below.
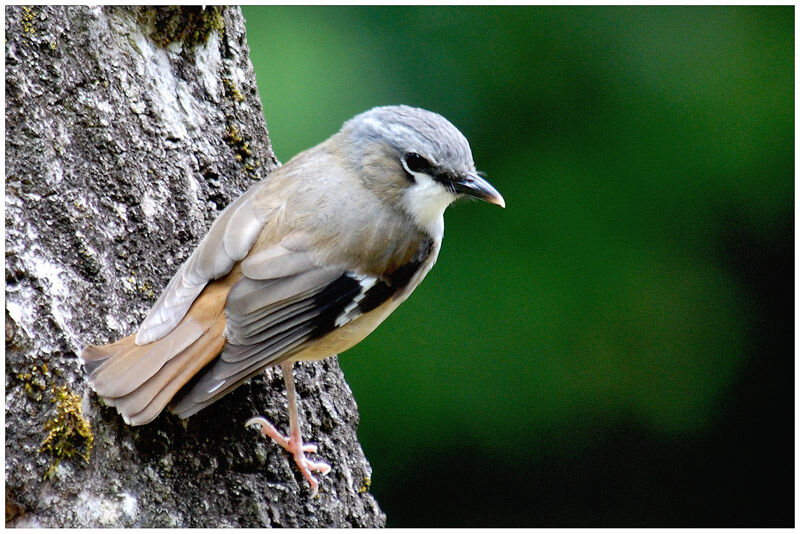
(446, 178)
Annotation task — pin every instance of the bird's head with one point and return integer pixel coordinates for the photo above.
(414, 159)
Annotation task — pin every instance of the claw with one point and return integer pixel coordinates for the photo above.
(270, 431)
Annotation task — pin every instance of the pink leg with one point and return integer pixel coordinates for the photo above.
(294, 442)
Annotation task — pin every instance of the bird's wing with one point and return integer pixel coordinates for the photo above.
(284, 302)
(226, 243)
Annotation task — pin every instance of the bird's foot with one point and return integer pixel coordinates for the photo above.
(294, 445)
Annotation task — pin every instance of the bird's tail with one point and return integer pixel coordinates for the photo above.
(139, 380)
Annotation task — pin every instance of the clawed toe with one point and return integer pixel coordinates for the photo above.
(320, 467)
(270, 431)
(297, 449)
(307, 466)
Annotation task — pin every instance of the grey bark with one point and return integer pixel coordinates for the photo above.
(128, 130)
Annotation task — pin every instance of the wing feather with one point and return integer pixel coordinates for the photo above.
(250, 296)
(248, 329)
(226, 243)
(276, 261)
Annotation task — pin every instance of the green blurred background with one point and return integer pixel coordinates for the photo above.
(615, 348)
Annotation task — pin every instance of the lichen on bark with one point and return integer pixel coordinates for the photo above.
(188, 25)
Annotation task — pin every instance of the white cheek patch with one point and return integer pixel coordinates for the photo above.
(425, 201)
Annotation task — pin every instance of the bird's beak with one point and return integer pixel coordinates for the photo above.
(475, 186)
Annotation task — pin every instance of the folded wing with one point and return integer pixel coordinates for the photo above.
(283, 302)
(227, 242)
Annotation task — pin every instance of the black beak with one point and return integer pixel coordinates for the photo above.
(475, 186)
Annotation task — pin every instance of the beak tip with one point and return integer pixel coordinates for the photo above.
(476, 186)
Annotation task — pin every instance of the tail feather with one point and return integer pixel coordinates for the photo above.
(133, 365)
(144, 404)
(94, 356)
(139, 380)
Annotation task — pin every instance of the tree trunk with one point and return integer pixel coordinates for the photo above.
(128, 130)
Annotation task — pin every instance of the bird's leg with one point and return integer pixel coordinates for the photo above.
(293, 443)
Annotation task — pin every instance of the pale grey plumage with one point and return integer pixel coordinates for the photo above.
(406, 129)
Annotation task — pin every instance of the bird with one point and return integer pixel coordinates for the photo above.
(302, 266)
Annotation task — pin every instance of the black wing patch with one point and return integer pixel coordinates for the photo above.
(332, 302)
(367, 293)
(383, 290)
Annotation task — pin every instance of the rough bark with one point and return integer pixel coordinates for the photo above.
(128, 130)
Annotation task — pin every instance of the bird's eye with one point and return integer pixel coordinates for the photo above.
(416, 163)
